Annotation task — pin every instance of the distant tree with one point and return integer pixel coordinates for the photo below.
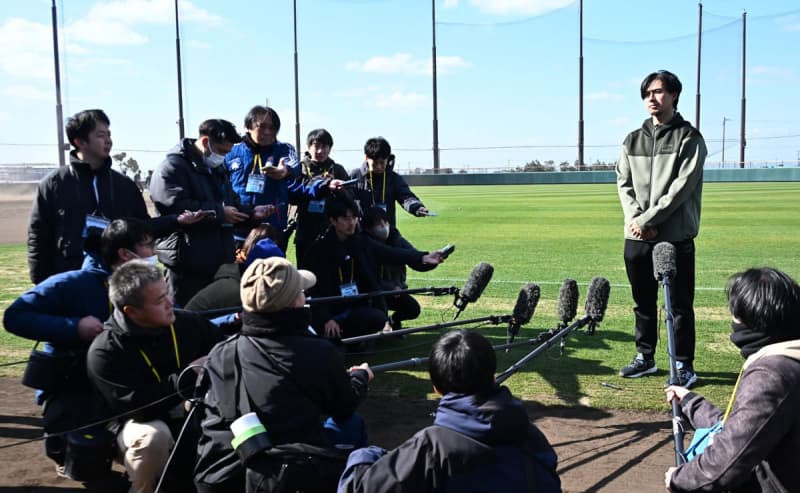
(131, 164)
(119, 158)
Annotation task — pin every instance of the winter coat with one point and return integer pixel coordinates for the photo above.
(761, 434)
(477, 443)
(293, 378)
(124, 378)
(386, 188)
(355, 259)
(311, 219)
(184, 182)
(239, 164)
(660, 179)
(63, 200)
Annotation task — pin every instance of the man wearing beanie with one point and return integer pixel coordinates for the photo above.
(758, 446)
(292, 379)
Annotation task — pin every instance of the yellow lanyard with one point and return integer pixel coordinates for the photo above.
(307, 171)
(372, 188)
(257, 162)
(730, 403)
(177, 356)
(352, 271)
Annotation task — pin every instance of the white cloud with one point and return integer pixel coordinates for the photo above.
(26, 49)
(404, 63)
(450, 3)
(773, 71)
(28, 93)
(400, 100)
(526, 7)
(193, 43)
(605, 96)
(789, 22)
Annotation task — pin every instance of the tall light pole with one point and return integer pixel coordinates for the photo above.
(722, 161)
(580, 86)
(435, 101)
(296, 88)
(742, 142)
(181, 132)
(59, 110)
(699, 53)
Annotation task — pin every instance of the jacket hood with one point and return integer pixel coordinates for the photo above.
(493, 419)
(92, 263)
(790, 349)
(289, 321)
(84, 167)
(676, 122)
(186, 150)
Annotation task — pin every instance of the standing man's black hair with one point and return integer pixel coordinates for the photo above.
(462, 362)
(80, 125)
(257, 113)
(377, 148)
(671, 83)
(219, 131)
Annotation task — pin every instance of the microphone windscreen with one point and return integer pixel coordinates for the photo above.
(664, 260)
(567, 300)
(597, 298)
(477, 281)
(526, 303)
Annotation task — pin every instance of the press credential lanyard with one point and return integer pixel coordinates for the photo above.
(177, 356)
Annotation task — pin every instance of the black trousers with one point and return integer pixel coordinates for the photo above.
(645, 288)
(404, 306)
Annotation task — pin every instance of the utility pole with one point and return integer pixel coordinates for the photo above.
(722, 162)
(59, 110)
(180, 83)
(435, 101)
(742, 142)
(699, 52)
(296, 89)
(580, 86)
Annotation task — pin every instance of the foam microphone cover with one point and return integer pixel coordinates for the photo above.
(477, 281)
(567, 300)
(526, 303)
(597, 298)
(664, 260)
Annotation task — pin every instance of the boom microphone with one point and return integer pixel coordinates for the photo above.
(664, 261)
(567, 302)
(524, 309)
(597, 299)
(473, 287)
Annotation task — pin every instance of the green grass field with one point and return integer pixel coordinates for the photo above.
(543, 234)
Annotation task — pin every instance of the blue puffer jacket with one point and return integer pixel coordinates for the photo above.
(50, 311)
(239, 164)
(477, 443)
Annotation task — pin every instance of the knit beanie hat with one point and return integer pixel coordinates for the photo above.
(272, 284)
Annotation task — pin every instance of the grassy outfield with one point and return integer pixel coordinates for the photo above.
(543, 234)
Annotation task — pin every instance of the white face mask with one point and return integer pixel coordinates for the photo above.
(152, 260)
(380, 232)
(214, 160)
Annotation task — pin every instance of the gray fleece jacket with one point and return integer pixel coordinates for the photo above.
(660, 179)
(758, 449)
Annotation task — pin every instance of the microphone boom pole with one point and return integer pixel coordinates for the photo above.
(493, 319)
(664, 270)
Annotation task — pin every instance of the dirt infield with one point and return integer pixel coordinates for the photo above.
(599, 451)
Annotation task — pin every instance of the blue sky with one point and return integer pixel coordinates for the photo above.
(507, 69)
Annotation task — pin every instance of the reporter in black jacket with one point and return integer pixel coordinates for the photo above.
(292, 377)
(135, 363)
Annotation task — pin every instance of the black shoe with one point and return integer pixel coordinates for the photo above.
(639, 367)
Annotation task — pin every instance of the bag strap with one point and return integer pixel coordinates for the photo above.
(733, 396)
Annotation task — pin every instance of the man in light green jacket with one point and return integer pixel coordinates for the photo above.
(660, 182)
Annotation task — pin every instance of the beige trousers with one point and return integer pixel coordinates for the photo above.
(144, 448)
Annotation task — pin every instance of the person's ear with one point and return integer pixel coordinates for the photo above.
(436, 390)
(128, 310)
(123, 254)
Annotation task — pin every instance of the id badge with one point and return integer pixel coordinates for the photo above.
(382, 206)
(255, 184)
(349, 289)
(94, 222)
(316, 206)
